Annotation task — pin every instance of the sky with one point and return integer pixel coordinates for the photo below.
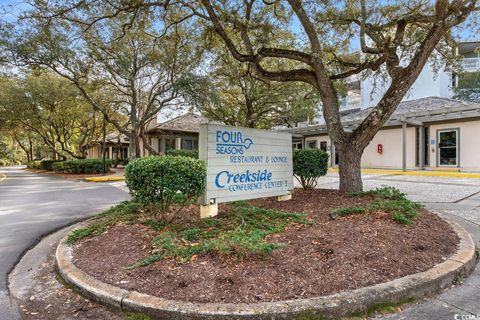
(11, 9)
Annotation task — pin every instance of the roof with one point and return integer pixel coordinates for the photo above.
(416, 112)
(423, 104)
(189, 122)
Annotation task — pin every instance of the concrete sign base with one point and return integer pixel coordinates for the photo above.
(208, 210)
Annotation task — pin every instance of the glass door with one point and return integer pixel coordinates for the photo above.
(448, 148)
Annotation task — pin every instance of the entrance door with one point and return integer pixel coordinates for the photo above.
(425, 146)
(335, 158)
(448, 148)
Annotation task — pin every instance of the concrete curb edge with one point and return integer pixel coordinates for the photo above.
(345, 303)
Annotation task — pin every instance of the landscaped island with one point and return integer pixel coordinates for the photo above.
(321, 242)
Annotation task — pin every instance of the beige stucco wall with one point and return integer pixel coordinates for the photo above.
(93, 152)
(392, 139)
(391, 158)
(469, 143)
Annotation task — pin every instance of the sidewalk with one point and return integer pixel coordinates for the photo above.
(424, 173)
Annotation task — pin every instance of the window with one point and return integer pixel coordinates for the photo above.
(124, 153)
(169, 144)
(448, 147)
(189, 144)
(297, 145)
(323, 146)
(312, 144)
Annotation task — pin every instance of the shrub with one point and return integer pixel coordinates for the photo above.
(183, 153)
(241, 233)
(86, 166)
(123, 162)
(308, 165)
(48, 164)
(58, 166)
(36, 164)
(391, 200)
(384, 192)
(161, 180)
(3, 163)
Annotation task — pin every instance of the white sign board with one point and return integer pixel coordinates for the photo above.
(245, 163)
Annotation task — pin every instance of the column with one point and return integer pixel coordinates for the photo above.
(404, 146)
(178, 143)
(421, 147)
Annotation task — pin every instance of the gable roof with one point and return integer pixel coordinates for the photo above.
(189, 122)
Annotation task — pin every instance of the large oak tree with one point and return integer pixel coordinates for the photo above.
(136, 66)
(395, 37)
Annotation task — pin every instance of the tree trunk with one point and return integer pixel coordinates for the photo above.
(249, 122)
(350, 169)
(134, 146)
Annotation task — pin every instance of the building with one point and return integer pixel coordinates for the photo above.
(429, 130)
(426, 133)
(364, 93)
(116, 147)
(178, 133)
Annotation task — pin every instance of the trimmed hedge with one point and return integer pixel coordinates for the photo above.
(160, 180)
(42, 164)
(82, 166)
(36, 164)
(183, 153)
(308, 165)
(48, 164)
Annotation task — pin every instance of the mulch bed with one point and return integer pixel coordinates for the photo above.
(327, 257)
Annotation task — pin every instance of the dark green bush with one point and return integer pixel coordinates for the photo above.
(58, 166)
(183, 153)
(123, 162)
(161, 180)
(48, 164)
(308, 165)
(85, 166)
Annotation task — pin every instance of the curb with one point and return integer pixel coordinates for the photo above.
(341, 304)
(104, 179)
(432, 173)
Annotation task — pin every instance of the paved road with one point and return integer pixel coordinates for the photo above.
(32, 206)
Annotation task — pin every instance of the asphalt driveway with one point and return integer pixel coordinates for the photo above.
(33, 205)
